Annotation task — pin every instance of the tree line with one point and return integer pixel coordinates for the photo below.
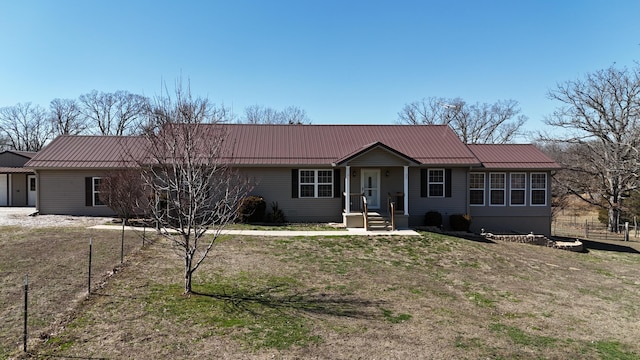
(29, 127)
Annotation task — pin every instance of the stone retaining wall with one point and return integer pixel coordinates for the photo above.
(540, 240)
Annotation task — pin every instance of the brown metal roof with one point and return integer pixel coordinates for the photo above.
(512, 156)
(264, 145)
(69, 151)
(326, 144)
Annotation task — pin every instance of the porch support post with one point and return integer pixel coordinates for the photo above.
(347, 189)
(406, 190)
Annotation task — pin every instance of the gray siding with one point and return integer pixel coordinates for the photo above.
(509, 218)
(63, 192)
(378, 158)
(274, 185)
(505, 224)
(419, 206)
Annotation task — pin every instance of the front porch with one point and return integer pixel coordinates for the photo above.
(376, 188)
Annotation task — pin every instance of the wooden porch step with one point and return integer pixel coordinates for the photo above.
(377, 221)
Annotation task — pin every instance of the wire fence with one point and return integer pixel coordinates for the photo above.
(594, 230)
(57, 264)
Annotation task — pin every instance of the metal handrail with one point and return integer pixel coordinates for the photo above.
(365, 212)
(392, 206)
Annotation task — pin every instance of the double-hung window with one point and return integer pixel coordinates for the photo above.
(476, 188)
(518, 189)
(96, 182)
(538, 189)
(436, 182)
(497, 188)
(316, 183)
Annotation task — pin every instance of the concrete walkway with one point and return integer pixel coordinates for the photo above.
(282, 233)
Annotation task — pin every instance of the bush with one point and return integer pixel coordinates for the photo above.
(460, 222)
(433, 218)
(276, 216)
(251, 209)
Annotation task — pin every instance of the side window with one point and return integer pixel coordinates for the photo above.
(497, 188)
(476, 189)
(518, 188)
(539, 189)
(96, 192)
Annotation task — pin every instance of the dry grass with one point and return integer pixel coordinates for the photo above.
(353, 297)
(56, 261)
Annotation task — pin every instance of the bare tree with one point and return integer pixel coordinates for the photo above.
(25, 126)
(187, 168)
(118, 113)
(258, 114)
(123, 192)
(600, 118)
(66, 117)
(496, 123)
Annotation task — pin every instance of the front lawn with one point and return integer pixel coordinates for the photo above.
(342, 297)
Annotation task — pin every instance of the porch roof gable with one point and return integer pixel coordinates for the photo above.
(367, 148)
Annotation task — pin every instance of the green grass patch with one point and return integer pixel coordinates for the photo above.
(60, 343)
(613, 350)
(262, 312)
(519, 337)
(394, 319)
(285, 227)
(480, 299)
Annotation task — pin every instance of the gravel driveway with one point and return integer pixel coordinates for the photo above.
(21, 216)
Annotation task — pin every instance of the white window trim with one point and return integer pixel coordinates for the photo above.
(94, 192)
(484, 189)
(315, 184)
(532, 189)
(503, 188)
(524, 189)
(436, 183)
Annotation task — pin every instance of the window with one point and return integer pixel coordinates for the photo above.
(518, 188)
(436, 182)
(538, 189)
(476, 189)
(32, 184)
(96, 191)
(316, 183)
(496, 188)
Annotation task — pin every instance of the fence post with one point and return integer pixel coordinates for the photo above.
(26, 313)
(89, 281)
(626, 231)
(586, 229)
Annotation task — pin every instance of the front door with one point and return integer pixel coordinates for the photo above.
(371, 187)
(31, 193)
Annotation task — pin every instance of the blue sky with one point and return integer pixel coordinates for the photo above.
(342, 61)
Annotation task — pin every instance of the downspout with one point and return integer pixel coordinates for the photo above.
(466, 193)
(37, 191)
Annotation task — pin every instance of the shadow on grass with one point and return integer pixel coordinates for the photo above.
(308, 302)
(605, 246)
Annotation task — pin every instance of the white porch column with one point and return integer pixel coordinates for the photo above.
(406, 190)
(347, 187)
